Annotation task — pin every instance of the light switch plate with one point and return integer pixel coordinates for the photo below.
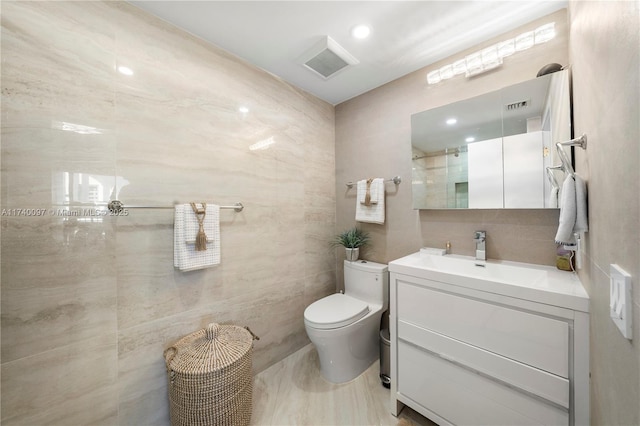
(620, 300)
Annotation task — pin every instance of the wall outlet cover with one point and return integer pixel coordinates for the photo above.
(621, 301)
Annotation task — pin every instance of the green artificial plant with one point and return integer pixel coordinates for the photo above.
(351, 238)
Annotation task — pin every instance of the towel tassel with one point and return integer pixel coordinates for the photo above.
(367, 197)
(201, 237)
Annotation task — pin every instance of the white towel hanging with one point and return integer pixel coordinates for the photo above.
(185, 255)
(374, 191)
(582, 221)
(573, 210)
(373, 213)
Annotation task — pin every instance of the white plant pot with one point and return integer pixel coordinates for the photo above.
(352, 253)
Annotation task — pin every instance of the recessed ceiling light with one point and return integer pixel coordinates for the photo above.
(243, 109)
(451, 121)
(470, 139)
(125, 70)
(361, 31)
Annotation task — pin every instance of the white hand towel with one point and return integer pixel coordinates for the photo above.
(573, 210)
(567, 212)
(377, 188)
(178, 234)
(553, 197)
(185, 255)
(373, 213)
(362, 192)
(582, 221)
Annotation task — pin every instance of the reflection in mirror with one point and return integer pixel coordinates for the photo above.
(492, 151)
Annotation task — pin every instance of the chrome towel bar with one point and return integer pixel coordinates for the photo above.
(116, 206)
(396, 180)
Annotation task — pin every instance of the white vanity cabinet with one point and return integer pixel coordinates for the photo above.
(466, 351)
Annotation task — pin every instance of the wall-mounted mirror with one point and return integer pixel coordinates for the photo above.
(492, 151)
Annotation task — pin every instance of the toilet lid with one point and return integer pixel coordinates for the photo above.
(335, 311)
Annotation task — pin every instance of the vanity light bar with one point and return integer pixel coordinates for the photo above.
(491, 57)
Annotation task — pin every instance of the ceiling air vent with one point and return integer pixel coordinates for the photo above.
(327, 57)
(517, 105)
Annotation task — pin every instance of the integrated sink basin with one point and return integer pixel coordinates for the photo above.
(492, 271)
(539, 283)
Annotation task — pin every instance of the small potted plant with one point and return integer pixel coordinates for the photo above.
(352, 239)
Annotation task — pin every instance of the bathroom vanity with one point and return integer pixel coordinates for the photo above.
(488, 343)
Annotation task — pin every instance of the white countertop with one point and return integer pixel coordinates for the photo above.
(537, 283)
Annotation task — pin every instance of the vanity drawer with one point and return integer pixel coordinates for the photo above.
(532, 339)
(526, 379)
(463, 397)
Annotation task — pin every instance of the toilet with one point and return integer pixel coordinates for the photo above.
(345, 327)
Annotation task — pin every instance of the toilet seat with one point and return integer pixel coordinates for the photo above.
(335, 311)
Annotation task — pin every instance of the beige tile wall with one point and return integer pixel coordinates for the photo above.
(605, 50)
(88, 307)
(373, 138)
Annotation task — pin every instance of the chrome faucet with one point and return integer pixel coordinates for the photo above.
(480, 239)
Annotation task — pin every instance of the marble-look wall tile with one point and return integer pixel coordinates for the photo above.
(380, 120)
(605, 56)
(38, 163)
(74, 384)
(58, 99)
(313, 291)
(68, 75)
(170, 133)
(58, 283)
(148, 285)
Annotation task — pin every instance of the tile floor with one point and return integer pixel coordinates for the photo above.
(292, 392)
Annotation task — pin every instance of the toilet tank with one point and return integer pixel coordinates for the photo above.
(367, 281)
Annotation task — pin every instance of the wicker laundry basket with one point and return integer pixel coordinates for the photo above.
(209, 374)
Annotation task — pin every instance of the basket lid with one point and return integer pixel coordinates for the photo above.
(210, 349)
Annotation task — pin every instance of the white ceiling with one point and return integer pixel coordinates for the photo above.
(405, 35)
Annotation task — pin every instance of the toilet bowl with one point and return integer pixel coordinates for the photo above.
(345, 327)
